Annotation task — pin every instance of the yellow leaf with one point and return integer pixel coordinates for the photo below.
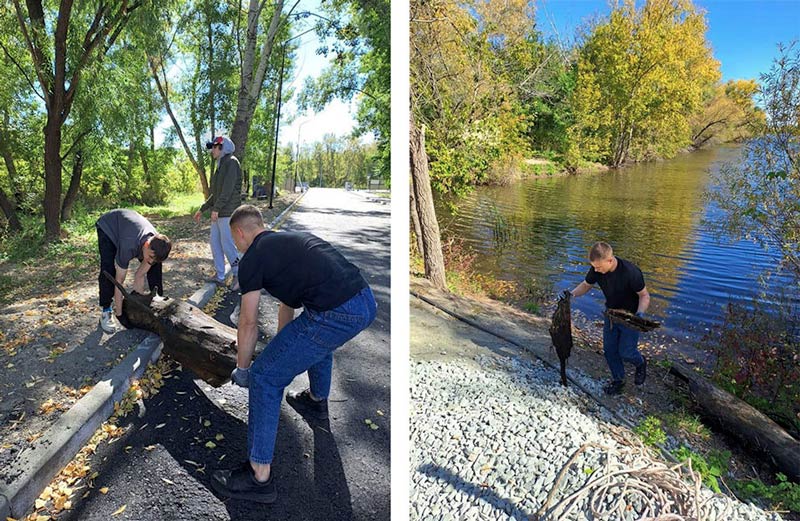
(150, 447)
(119, 510)
(39, 503)
(104, 490)
(207, 423)
(219, 437)
(210, 445)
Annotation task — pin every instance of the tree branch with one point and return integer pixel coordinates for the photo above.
(36, 53)
(22, 71)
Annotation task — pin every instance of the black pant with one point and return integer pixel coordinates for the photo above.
(108, 251)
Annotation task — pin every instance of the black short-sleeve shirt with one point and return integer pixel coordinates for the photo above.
(300, 270)
(620, 286)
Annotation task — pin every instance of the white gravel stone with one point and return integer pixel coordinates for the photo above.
(487, 442)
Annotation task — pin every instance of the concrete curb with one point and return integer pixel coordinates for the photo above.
(37, 465)
(276, 222)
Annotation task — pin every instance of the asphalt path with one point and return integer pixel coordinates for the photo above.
(161, 468)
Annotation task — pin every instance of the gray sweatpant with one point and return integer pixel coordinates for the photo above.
(222, 246)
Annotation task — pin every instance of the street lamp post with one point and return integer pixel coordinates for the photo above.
(278, 111)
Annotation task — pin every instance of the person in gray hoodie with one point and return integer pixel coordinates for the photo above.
(226, 196)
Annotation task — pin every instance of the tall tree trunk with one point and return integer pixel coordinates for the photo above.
(212, 108)
(10, 212)
(8, 158)
(52, 176)
(417, 229)
(429, 227)
(252, 79)
(74, 185)
(162, 89)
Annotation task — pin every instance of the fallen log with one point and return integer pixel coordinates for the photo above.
(191, 337)
(754, 429)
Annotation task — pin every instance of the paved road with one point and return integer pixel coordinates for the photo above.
(337, 472)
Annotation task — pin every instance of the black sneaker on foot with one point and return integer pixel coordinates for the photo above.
(615, 387)
(307, 406)
(641, 373)
(241, 483)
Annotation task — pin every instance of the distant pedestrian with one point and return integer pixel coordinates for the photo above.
(300, 270)
(226, 196)
(123, 235)
(623, 286)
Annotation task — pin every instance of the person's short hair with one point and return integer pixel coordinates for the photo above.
(246, 216)
(600, 251)
(161, 246)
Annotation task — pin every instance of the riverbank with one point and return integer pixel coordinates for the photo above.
(658, 411)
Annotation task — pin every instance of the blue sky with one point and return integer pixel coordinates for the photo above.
(337, 117)
(743, 33)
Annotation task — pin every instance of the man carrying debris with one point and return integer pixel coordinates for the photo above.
(123, 235)
(623, 286)
(226, 196)
(300, 270)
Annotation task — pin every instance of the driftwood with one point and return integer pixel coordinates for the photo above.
(628, 319)
(561, 332)
(191, 337)
(754, 429)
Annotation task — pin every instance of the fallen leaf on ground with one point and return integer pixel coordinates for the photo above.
(165, 480)
(160, 425)
(119, 510)
(211, 445)
(219, 437)
(104, 490)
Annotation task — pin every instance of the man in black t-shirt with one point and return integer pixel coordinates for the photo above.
(623, 286)
(300, 270)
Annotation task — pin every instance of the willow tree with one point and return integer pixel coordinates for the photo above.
(62, 44)
(642, 74)
(729, 115)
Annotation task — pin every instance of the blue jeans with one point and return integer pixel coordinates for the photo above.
(306, 343)
(620, 344)
(222, 246)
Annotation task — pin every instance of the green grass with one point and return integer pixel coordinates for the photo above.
(685, 422)
(783, 495)
(711, 467)
(183, 204)
(651, 432)
(78, 247)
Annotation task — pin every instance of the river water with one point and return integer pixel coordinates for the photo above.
(538, 233)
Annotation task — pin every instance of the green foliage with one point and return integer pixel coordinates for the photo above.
(361, 69)
(758, 194)
(651, 432)
(641, 75)
(462, 56)
(784, 495)
(758, 359)
(711, 467)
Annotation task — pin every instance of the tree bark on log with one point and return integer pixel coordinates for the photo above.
(747, 424)
(191, 337)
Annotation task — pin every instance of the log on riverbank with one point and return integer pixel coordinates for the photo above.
(754, 429)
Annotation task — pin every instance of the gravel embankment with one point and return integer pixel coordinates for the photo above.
(489, 440)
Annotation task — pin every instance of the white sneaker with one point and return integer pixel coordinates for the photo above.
(109, 322)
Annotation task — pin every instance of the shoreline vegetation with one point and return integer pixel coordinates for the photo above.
(725, 466)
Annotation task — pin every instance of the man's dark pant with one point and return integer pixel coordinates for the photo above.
(620, 344)
(108, 251)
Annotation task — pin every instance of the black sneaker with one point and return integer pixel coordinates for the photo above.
(641, 373)
(307, 406)
(241, 483)
(614, 387)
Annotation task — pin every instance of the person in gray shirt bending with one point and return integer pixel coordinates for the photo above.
(226, 196)
(123, 235)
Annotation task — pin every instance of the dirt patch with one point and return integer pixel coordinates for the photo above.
(52, 350)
